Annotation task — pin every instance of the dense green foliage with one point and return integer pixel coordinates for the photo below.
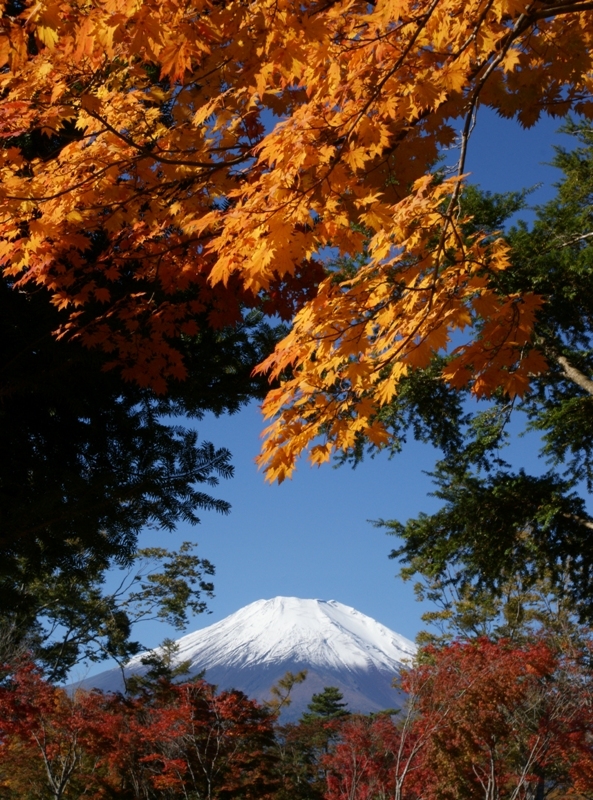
(91, 460)
(326, 705)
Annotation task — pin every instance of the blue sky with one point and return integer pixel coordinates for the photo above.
(310, 537)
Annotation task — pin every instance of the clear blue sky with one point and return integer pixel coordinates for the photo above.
(310, 537)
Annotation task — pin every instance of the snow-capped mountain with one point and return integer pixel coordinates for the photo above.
(254, 647)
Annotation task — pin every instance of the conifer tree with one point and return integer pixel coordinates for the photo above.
(326, 705)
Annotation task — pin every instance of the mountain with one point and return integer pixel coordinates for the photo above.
(254, 647)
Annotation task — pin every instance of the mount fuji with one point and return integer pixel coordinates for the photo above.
(254, 647)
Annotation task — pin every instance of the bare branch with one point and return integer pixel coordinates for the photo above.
(575, 375)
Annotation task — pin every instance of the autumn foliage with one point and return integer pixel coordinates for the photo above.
(171, 741)
(170, 161)
(485, 720)
(47, 738)
(491, 720)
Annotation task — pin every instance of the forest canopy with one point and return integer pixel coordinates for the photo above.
(173, 175)
(143, 187)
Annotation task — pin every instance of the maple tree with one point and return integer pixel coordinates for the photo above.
(361, 766)
(168, 740)
(47, 738)
(140, 186)
(384, 755)
(486, 720)
(187, 739)
(93, 459)
(517, 722)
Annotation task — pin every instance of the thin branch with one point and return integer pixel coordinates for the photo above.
(180, 162)
(575, 239)
(555, 11)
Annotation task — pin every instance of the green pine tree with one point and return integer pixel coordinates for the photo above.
(326, 705)
(302, 746)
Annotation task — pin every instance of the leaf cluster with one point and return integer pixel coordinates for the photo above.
(146, 191)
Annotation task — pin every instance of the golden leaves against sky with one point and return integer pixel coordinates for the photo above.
(143, 187)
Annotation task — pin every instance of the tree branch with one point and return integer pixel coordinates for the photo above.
(587, 523)
(574, 375)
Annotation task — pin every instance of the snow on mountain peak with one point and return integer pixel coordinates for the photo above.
(322, 633)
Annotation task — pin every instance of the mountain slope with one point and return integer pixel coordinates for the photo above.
(254, 647)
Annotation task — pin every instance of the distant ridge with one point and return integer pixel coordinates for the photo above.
(254, 647)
